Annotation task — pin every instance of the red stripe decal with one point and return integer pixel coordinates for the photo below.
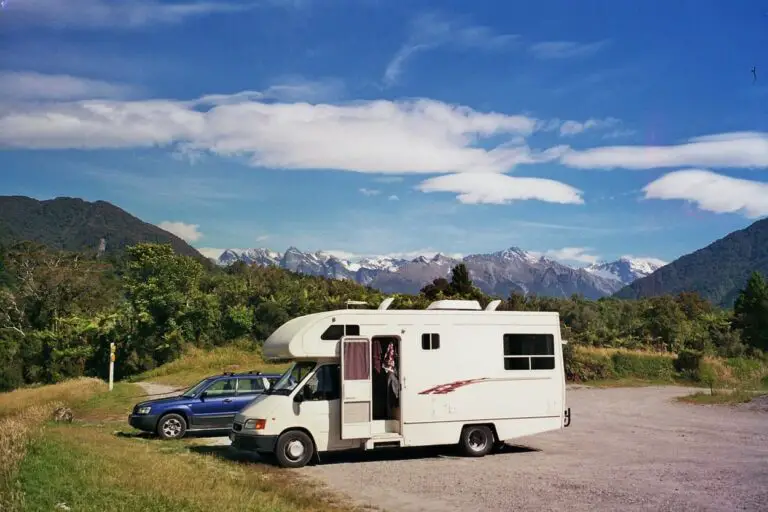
(442, 389)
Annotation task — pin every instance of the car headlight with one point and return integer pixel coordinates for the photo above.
(144, 410)
(255, 424)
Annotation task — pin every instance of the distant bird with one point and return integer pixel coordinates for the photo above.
(754, 74)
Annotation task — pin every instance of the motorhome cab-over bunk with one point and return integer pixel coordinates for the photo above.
(374, 378)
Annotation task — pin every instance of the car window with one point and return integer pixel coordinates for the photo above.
(221, 388)
(250, 385)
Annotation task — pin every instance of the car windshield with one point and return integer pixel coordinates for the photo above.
(291, 378)
(195, 389)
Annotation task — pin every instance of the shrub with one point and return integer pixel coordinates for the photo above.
(584, 365)
(643, 366)
(688, 363)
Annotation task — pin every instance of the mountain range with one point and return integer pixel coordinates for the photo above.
(498, 273)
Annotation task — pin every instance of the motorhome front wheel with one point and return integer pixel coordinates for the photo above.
(294, 449)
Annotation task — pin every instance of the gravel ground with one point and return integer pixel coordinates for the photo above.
(626, 449)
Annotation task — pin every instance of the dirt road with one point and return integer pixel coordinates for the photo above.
(627, 449)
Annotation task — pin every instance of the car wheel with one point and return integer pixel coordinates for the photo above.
(294, 449)
(171, 426)
(476, 440)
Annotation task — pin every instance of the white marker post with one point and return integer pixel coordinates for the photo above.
(111, 365)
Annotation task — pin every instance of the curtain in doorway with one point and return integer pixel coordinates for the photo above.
(356, 358)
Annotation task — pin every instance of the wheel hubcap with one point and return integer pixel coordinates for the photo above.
(477, 440)
(172, 427)
(294, 450)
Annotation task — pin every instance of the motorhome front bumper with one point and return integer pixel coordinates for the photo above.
(263, 444)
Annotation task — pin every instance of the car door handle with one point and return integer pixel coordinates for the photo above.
(227, 400)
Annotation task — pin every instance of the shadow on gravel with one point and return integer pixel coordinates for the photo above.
(148, 435)
(386, 454)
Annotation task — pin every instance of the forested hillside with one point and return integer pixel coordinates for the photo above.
(717, 272)
(59, 311)
(73, 224)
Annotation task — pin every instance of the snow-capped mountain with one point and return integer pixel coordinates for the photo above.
(498, 273)
(625, 269)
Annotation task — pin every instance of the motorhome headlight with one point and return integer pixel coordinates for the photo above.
(255, 424)
(144, 410)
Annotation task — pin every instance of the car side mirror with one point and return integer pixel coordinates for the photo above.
(203, 395)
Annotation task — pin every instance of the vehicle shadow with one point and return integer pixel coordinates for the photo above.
(356, 456)
(137, 434)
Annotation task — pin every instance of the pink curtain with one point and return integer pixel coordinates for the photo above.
(356, 366)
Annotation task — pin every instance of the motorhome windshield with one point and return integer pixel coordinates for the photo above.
(291, 378)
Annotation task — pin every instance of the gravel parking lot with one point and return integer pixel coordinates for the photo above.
(626, 449)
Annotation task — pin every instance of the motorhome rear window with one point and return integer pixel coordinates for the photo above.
(529, 352)
(430, 341)
(337, 331)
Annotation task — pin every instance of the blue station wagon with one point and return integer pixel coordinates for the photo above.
(210, 405)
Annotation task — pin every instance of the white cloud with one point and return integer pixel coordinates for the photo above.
(393, 197)
(29, 85)
(429, 31)
(565, 49)
(369, 192)
(262, 238)
(576, 127)
(210, 252)
(493, 188)
(712, 192)
(113, 13)
(369, 136)
(574, 254)
(187, 232)
(404, 255)
(739, 149)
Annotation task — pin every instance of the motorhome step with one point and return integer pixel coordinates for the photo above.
(386, 444)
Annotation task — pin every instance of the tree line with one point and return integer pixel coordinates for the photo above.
(59, 311)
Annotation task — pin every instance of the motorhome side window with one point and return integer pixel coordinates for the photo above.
(337, 331)
(430, 341)
(529, 352)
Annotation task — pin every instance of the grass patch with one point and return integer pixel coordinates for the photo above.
(16, 432)
(738, 396)
(196, 364)
(71, 392)
(90, 469)
(111, 405)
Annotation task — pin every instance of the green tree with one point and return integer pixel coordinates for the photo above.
(751, 312)
(461, 283)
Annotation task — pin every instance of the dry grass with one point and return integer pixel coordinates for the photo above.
(609, 351)
(90, 468)
(71, 392)
(16, 432)
(196, 364)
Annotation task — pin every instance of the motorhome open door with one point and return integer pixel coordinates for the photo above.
(356, 391)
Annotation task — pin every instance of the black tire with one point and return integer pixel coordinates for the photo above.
(294, 449)
(476, 440)
(171, 426)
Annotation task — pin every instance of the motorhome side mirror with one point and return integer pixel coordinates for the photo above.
(298, 398)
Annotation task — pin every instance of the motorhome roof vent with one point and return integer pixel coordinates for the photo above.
(493, 305)
(351, 303)
(462, 305)
(386, 303)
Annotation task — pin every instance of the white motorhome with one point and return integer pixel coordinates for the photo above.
(367, 379)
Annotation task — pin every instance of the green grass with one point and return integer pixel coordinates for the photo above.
(90, 469)
(111, 405)
(721, 397)
(196, 364)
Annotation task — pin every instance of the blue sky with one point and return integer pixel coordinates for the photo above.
(582, 130)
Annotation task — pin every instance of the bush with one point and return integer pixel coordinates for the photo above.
(583, 365)
(688, 363)
(643, 366)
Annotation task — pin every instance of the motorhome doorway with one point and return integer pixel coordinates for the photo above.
(385, 384)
